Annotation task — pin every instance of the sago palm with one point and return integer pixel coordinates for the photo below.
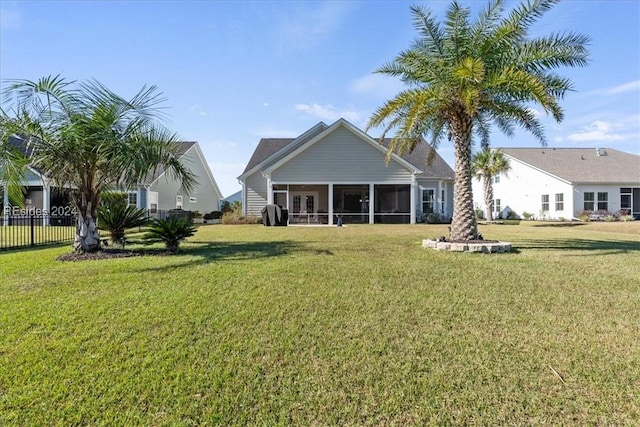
(463, 77)
(485, 165)
(84, 136)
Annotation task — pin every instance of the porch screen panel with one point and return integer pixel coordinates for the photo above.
(393, 204)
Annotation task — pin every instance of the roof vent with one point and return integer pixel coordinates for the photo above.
(600, 152)
(597, 151)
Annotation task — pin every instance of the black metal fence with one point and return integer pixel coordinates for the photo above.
(19, 231)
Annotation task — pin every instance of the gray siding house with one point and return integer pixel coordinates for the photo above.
(338, 172)
(159, 192)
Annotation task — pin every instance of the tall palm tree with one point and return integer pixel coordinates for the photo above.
(485, 165)
(84, 136)
(464, 76)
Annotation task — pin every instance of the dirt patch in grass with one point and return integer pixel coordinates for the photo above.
(110, 253)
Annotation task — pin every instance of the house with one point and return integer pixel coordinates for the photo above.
(338, 172)
(160, 192)
(557, 183)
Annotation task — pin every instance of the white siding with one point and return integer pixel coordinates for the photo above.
(341, 157)
(521, 191)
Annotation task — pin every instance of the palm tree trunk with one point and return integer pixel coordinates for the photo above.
(87, 235)
(488, 196)
(463, 224)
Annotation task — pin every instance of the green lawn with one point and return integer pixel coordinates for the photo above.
(356, 325)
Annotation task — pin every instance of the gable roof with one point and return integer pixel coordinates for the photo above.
(581, 165)
(272, 150)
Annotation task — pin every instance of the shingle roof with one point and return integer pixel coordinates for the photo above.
(267, 147)
(582, 165)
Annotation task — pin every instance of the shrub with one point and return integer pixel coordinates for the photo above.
(626, 218)
(479, 214)
(584, 216)
(114, 198)
(528, 216)
(171, 231)
(610, 218)
(117, 218)
(232, 218)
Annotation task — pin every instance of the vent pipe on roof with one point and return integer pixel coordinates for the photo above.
(597, 151)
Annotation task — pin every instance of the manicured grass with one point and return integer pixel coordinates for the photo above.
(356, 325)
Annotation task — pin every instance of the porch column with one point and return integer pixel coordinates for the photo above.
(412, 199)
(330, 204)
(5, 204)
(371, 204)
(46, 203)
(440, 199)
(269, 189)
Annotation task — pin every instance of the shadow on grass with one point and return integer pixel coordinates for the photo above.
(560, 224)
(203, 253)
(608, 246)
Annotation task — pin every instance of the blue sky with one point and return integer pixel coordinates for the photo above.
(234, 71)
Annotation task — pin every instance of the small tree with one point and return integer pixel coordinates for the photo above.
(171, 231)
(118, 218)
(84, 136)
(485, 165)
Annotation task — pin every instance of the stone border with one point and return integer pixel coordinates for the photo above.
(484, 247)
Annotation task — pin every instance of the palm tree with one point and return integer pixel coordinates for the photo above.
(464, 76)
(84, 136)
(485, 165)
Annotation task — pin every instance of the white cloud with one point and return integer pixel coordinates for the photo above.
(624, 88)
(327, 112)
(10, 20)
(598, 131)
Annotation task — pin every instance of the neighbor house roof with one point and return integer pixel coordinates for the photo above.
(183, 147)
(582, 165)
(276, 148)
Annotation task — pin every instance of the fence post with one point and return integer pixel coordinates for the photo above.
(32, 221)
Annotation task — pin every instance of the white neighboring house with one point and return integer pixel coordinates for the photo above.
(557, 183)
(333, 173)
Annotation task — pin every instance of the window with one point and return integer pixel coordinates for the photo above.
(178, 202)
(603, 201)
(428, 200)
(132, 199)
(625, 198)
(545, 203)
(496, 207)
(193, 200)
(559, 201)
(589, 201)
(495, 178)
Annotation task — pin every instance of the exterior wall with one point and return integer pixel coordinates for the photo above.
(206, 195)
(521, 190)
(255, 194)
(613, 191)
(341, 157)
(447, 203)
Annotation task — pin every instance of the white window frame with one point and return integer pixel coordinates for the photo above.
(179, 202)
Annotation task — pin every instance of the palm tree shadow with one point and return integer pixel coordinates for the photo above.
(197, 253)
(610, 247)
